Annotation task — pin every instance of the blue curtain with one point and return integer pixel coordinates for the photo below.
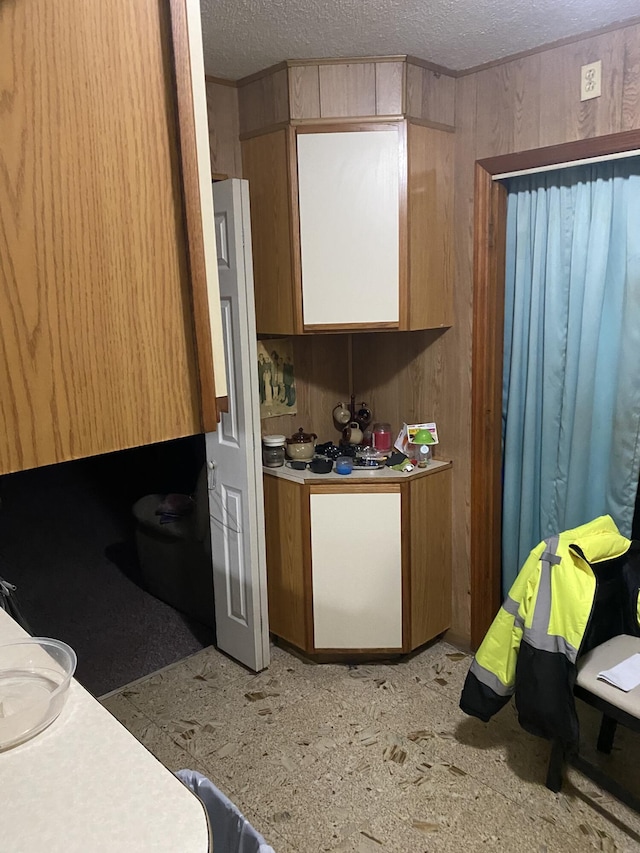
(571, 383)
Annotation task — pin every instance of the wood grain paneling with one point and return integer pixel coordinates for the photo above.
(399, 376)
(486, 411)
(529, 102)
(389, 88)
(347, 90)
(509, 118)
(286, 526)
(304, 91)
(196, 193)
(321, 369)
(430, 499)
(430, 95)
(631, 78)
(224, 130)
(265, 164)
(455, 433)
(95, 304)
(430, 211)
(264, 102)
(563, 116)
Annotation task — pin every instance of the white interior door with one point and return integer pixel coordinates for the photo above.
(236, 503)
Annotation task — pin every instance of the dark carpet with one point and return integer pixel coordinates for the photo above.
(66, 542)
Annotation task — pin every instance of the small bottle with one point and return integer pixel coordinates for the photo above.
(424, 455)
(273, 451)
(422, 441)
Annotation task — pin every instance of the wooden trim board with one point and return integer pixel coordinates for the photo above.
(193, 214)
(488, 329)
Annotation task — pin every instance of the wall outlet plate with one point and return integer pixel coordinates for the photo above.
(591, 81)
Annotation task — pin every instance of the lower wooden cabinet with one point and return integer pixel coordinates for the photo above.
(359, 567)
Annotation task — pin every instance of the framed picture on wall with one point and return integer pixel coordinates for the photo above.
(276, 378)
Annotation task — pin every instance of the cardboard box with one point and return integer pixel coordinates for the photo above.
(408, 431)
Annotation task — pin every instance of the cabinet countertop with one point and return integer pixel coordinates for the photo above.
(85, 783)
(358, 475)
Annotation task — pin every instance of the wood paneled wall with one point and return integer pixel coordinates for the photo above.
(514, 106)
(346, 89)
(264, 100)
(300, 91)
(430, 94)
(321, 364)
(526, 103)
(224, 129)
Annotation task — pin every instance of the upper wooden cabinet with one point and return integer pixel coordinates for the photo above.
(351, 226)
(350, 169)
(106, 275)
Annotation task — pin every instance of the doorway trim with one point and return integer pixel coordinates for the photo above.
(490, 206)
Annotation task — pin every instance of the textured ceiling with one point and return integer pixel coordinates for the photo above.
(243, 36)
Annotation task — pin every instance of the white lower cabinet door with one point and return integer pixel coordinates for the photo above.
(356, 563)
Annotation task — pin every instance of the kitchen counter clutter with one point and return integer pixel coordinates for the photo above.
(358, 565)
(358, 475)
(86, 784)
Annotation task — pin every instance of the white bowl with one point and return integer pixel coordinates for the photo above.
(35, 674)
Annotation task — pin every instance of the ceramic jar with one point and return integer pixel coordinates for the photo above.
(301, 445)
(273, 451)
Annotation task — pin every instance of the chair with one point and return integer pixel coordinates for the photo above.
(175, 558)
(605, 644)
(616, 707)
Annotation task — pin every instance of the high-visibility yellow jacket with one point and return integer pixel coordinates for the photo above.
(534, 642)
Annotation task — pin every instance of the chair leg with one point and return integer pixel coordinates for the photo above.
(555, 770)
(607, 733)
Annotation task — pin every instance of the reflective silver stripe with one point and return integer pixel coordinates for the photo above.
(552, 643)
(542, 614)
(490, 680)
(538, 636)
(511, 606)
(549, 557)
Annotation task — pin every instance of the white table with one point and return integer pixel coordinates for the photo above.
(86, 785)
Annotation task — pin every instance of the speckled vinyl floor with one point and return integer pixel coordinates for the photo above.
(374, 759)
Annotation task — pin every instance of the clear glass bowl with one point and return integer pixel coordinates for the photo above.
(35, 674)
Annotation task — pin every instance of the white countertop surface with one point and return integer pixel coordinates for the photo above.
(86, 785)
(358, 475)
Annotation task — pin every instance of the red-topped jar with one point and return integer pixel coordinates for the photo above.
(381, 437)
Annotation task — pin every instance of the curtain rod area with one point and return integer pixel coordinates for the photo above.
(619, 156)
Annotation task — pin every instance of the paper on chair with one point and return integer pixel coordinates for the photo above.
(624, 675)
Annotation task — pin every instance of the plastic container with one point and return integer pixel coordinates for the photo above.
(422, 452)
(344, 465)
(35, 674)
(273, 451)
(369, 457)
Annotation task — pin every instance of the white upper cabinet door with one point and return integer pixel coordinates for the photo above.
(349, 226)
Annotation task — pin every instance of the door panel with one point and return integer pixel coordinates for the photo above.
(356, 555)
(349, 226)
(96, 332)
(234, 451)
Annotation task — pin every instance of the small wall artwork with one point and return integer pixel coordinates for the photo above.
(276, 378)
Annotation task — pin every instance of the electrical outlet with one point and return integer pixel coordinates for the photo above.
(591, 81)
